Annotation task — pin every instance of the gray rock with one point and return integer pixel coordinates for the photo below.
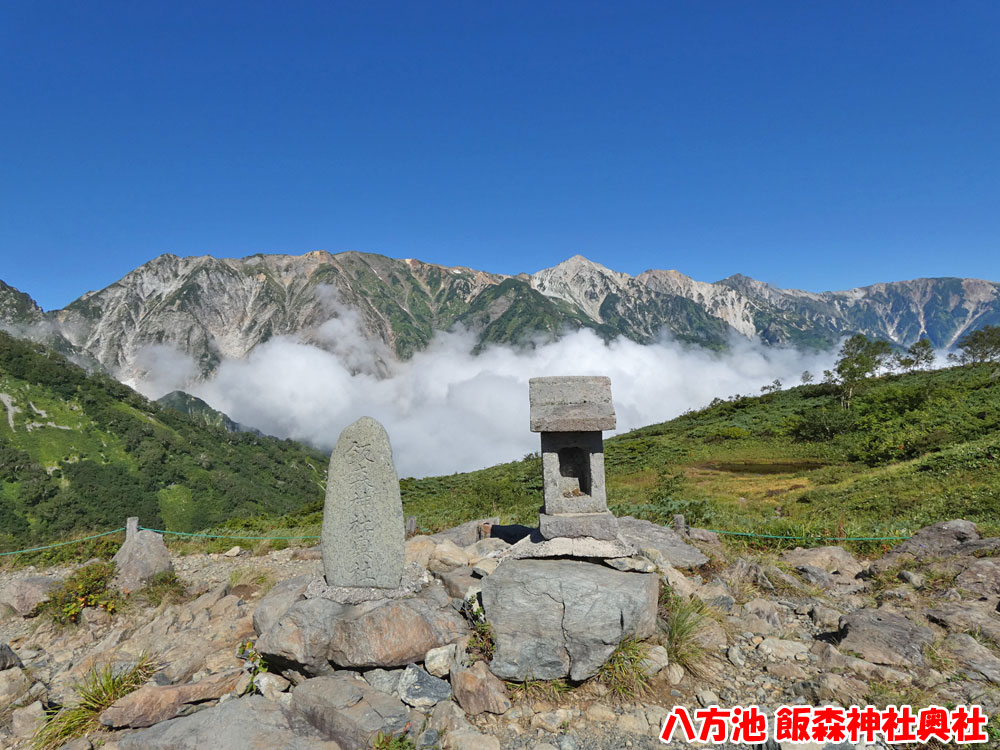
(948, 539)
(884, 637)
(816, 576)
(914, 579)
(573, 472)
(477, 690)
(24, 721)
(422, 690)
(966, 616)
(437, 661)
(384, 680)
(536, 546)
(363, 535)
(252, 722)
(596, 525)
(557, 617)
(978, 661)
(8, 658)
(643, 534)
(469, 533)
(14, 684)
(735, 656)
(833, 559)
(141, 558)
(24, 594)
(457, 581)
(981, 577)
(348, 710)
(571, 404)
(390, 633)
(707, 698)
(277, 601)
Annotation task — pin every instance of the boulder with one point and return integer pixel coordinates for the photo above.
(8, 659)
(948, 539)
(884, 637)
(348, 710)
(387, 633)
(420, 689)
(437, 661)
(419, 549)
(646, 535)
(449, 555)
(14, 683)
(277, 601)
(467, 533)
(151, 704)
(24, 594)
(384, 680)
(981, 577)
(832, 559)
(458, 581)
(24, 722)
(477, 690)
(251, 722)
(553, 618)
(141, 558)
(977, 661)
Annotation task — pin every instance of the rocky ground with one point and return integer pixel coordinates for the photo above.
(919, 625)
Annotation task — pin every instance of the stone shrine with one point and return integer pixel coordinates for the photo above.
(363, 538)
(570, 413)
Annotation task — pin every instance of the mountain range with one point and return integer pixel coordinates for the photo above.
(217, 308)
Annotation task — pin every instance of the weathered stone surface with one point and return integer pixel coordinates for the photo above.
(142, 557)
(348, 710)
(414, 578)
(832, 559)
(420, 689)
(781, 649)
(437, 661)
(884, 637)
(384, 680)
(596, 525)
(478, 691)
(418, 550)
(8, 658)
(967, 616)
(301, 637)
(450, 555)
(553, 618)
(536, 546)
(277, 601)
(152, 704)
(980, 577)
(485, 549)
(24, 594)
(390, 633)
(14, 683)
(271, 685)
(815, 575)
(978, 662)
(655, 661)
(571, 404)
(668, 543)
(393, 634)
(25, 721)
(363, 535)
(948, 539)
(467, 533)
(470, 739)
(250, 723)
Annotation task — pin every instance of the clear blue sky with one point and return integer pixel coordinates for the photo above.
(820, 145)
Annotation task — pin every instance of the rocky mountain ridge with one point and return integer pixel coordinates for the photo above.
(213, 309)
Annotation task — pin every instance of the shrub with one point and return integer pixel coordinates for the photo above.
(87, 587)
(99, 689)
(165, 586)
(385, 741)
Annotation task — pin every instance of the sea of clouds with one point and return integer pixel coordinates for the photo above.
(448, 409)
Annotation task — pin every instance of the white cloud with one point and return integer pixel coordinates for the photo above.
(448, 410)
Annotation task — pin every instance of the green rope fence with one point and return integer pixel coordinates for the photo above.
(63, 544)
(290, 538)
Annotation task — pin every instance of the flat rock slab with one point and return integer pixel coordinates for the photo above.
(553, 618)
(151, 704)
(536, 546)
(978, 662)
(673, 549)
(413, 579)
(348, 710)
(363, 527)
(832, 559)
(981, 577)
(965, 617)
(595, 525)
(884, 637)
(245, 724)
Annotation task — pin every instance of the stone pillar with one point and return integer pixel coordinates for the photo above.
(131, 527)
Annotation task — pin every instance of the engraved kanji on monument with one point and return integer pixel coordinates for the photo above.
(362, 539)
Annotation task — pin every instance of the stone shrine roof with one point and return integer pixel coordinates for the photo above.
(576, 403)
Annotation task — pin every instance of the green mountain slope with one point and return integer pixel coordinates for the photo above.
(194, 407)
(914, 449)
(82, 452)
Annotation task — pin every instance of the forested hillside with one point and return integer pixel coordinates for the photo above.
(81, 451)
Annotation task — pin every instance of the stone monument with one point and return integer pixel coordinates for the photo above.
(362, 539)
(570, 413)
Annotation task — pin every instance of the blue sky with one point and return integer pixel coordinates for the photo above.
(815, 145)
